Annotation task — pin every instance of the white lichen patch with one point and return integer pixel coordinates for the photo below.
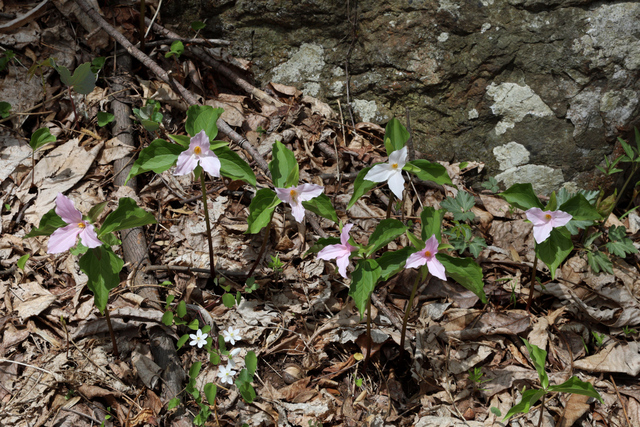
(443, 37)
(485, 27)
(449, 6)
(513, 102)
(511, 155)
(473, 114)
(305, 64)
(618, 106)
(367, 110)
(544, 179)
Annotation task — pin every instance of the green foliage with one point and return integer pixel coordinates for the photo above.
(361, 186)
(102, 268)
(460, 207)
(22, 261)
(5, 109)
(466, 272)
(284, 167)
(599, 338)
(391, 262)
(83, 79)
(428, 171)
(620, 245)
(232, 166)
(431, 223)
(275, 264)
(522, 196)
(323, 207)
(127, 215)
(177, 49)
(149, 115)
(261, 210)
(197, 25)
(158, 157)
(491, 184)
(386, 231)
(395, 136)
(104, 118)
(363, 281)
(49, 223)
(97, 64)
(40, 138)
(555, 249)
(531, 397)
(461, 237)
(6, 58)
(203, 118)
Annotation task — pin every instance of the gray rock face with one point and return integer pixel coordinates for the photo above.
(558, 77)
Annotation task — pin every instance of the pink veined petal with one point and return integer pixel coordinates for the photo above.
(436, 268)
(396, 183)
(416, 260)
(63, 239)
(284, 194)
(332, 251)
(344, 236)
(343, 262)
(66, 210)
(379, 173)
(537, 216)
(211, 164)
(200, 139)
(88, 236)
(431, 245)
(399, 157)
(542, 232)
(307, 192)
(560, 218)
(187, 162)
(298, 211)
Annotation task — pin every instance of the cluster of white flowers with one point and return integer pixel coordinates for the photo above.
(226, 373)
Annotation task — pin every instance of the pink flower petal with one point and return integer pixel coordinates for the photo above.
(561, 218)
(542, 232)
(344, 235)
(88, 236)
(307, 192)
(66, 210)
(343, 262)
(63, 239)
(211, 164)
(416, 260)
(200, 139)
(436, 268)
(431, 245)
(537, 216)
(284, 194)
(332, 252)
(298, 211)
(187, 162)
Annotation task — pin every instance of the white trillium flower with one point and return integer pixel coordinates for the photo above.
(231, 335)
(198, 339)
(390, 172)
(233, 353)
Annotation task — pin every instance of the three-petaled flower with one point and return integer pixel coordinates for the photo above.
(233, 353)
(428, 256)
(295, 195)
(390, 172)
(65, 237)
(545, 221)
(231, 335)
(226, 374)
(340, 252)
(198, 338)
(198, 153)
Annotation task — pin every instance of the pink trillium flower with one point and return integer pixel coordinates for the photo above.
(340, 252)
(390, 172)
(294, 196)
(198, 153)
(65, 237)
(545, 221)
(428, 256)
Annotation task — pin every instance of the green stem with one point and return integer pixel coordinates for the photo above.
(405, 320)
(366, 360)
(634, 169)
(116, 354)
(532, 282)
(541, 410)
(212, 265)
(264, 245)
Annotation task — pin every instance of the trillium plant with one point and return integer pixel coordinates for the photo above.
(196, 153)
(553, 224)
(65, 224)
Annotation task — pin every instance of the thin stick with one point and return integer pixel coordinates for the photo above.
(532, 282)
(541, 410)
(390, 205)
(53, 374)
(262, 248)
(142, 31)
(369, 340)
(624, 410)
(203, 185)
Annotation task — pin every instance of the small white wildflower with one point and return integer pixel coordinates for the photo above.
(233, 353)
(231, 335)
(226, 374)
(198, 338)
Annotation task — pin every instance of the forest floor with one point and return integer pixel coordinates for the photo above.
(57, 363)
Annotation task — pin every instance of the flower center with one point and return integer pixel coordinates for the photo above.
(427, 254)
(394, 166)
(294, 195)
(81, 225)
(548, 217)
(197, 151)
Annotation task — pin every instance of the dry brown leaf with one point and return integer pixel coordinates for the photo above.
(615, 357)
(575, 408)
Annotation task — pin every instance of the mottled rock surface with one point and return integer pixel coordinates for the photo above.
(558, 77)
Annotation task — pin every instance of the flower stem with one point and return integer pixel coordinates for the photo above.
(116, 353)
(405, 320)
(369, 339)
(542, 409)
(532, 282)
(392, 198)
(212, 265)
(264, 245)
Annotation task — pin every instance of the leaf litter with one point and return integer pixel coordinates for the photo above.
(55, 358)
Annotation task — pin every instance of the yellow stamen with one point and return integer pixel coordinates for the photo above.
(394, 166)
(294, 195)
(427, 254)
(197, 151)
(548, 216)
(81, 225)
